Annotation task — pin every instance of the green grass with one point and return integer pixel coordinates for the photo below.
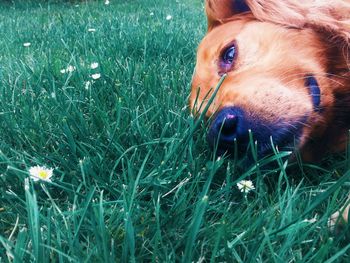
(134, 180)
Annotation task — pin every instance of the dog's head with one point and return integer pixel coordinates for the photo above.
(283, 72)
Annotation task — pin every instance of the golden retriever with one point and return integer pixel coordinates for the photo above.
(287, 75)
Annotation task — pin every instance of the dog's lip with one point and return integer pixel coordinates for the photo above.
(266, 150)
(284, 142)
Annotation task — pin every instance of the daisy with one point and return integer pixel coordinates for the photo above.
(106, 2)
(151, 14)
(63, 71)
(27, 44)
(70, 68)
(96, 76)
(94, 65)
(245, 186)
(168, 17)
(91, 30)
(41, 173)
(87, 84)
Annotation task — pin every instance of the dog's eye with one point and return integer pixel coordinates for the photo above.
(229, 55)
(227, 59)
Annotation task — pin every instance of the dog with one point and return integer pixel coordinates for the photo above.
(287, 79)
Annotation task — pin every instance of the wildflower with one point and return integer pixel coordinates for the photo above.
(94, 65)
(87, 84)
(91, 30)
(311, 221)
(168, 17)
(245, 186)
(151, 14)
(41, 173)
(205, 198)
(70, 68)
(106, 2)
(27, 44)
(96, 76)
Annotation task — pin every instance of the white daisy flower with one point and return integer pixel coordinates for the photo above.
(311, 221)
(87, 84)
(96, 76)
(41, 173)
(94, 65)
(27, 44)
(168, 17)
(91, 30)
(106, 2)
(245, 186)
(63, 71)
(151, 14)
(70, 68)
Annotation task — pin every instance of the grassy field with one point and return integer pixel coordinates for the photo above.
(133, 179)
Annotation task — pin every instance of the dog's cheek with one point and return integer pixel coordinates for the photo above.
(318, 133)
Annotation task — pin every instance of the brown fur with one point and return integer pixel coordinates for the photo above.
(333, 16)
(279, 42)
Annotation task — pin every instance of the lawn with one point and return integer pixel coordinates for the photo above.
(134, 179)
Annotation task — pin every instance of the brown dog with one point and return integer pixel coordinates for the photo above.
(287, 74)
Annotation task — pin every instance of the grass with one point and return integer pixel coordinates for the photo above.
(134, 179)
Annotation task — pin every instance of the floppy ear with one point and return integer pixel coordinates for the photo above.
(327, 16)
(220, 10)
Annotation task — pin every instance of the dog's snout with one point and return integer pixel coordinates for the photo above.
(225, 127)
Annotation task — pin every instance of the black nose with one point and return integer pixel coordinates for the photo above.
(227, 126)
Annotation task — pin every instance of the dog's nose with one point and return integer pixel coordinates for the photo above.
(227, 126)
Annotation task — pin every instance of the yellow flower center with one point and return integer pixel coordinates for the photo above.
(43, 174)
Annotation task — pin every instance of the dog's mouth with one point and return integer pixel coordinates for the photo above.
(251, 142)
(232, 131)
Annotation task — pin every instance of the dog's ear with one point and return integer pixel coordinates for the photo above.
(331, 17)
(220, 10)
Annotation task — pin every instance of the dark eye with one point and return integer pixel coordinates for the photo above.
(229, 55)
(227, 59)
